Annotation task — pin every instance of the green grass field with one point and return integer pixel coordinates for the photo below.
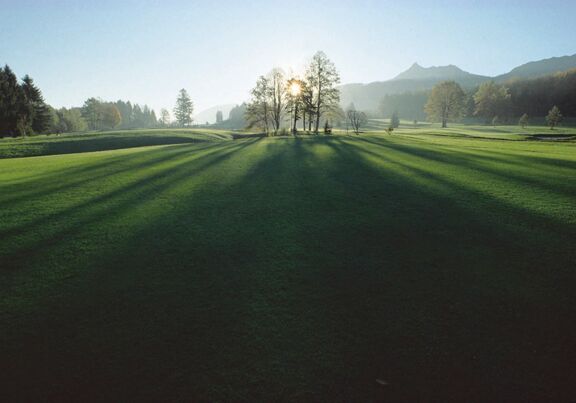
(282, 269)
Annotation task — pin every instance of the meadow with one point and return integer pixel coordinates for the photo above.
(426, 265)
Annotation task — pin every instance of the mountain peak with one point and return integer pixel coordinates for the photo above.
(417, 72)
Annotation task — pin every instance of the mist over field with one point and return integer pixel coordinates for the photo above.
(270, 201)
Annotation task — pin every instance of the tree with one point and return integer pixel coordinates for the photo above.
(92, 113)
(491, 100)
(164, 117)
(39, 116)
(322, 79)
(183, 109)
(110, 116)
(446, 102)
(523, 121)
(355, 118)
(495, 120)
(554, 117)
(395, 120)
(294, 95)
(258, 110)
(277, 93)
(219, 118)
(13, 108)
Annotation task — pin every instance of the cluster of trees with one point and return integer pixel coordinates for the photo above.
(22, 107)
(24, 112)
(513, 101)
(101, 115)
(491, 102)
(278, 100)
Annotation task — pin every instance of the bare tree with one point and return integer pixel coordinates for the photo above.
(277, 94)
(322, 79)
(356, 119)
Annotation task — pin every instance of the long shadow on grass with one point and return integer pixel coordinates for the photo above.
(55, 181)
(309, 275)
(460, 159)
(53, 229)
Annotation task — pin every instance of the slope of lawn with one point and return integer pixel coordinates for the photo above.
(99, 141)
(291, 269)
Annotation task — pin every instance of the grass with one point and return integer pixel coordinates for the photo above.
(291, 269)
(100, 141)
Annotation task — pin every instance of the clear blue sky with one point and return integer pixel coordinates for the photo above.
(144, 51)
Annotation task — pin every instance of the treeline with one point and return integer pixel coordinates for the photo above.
(22, 107)
(505, 102)
(100, 115)
(23, 112)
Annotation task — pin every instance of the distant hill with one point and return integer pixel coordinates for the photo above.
(209, 115)
(451, 72)
(540, 68)
(417, 78)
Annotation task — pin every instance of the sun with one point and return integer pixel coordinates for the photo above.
(295, 89)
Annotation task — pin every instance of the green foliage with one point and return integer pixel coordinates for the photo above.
(446, 103)
(554, 117)
(322, 79)
(22, 107)
(491, 100)
(183, 109)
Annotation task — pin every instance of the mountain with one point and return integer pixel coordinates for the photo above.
(417, 78)
(209, 115)
(540, 68)
(451, 72)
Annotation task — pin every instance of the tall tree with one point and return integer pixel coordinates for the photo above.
(258, 110)
(164, 117)
(491, 100)
(14, 110)
(294, 95)
(277, 94)
(322, 78)
(446, 102)
(39, 116)
(554, 117)
(183, 109)
(92, 113)
(219, 117)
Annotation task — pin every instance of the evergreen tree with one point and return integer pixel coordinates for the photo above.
(12, 103)
(38, 116)
(183, 109)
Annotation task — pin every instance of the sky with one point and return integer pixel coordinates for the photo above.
(145, 51)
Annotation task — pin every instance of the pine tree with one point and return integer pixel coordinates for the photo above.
(12, 103)
(183, 109)
(39, 117)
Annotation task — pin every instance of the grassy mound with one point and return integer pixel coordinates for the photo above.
(101, 141)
